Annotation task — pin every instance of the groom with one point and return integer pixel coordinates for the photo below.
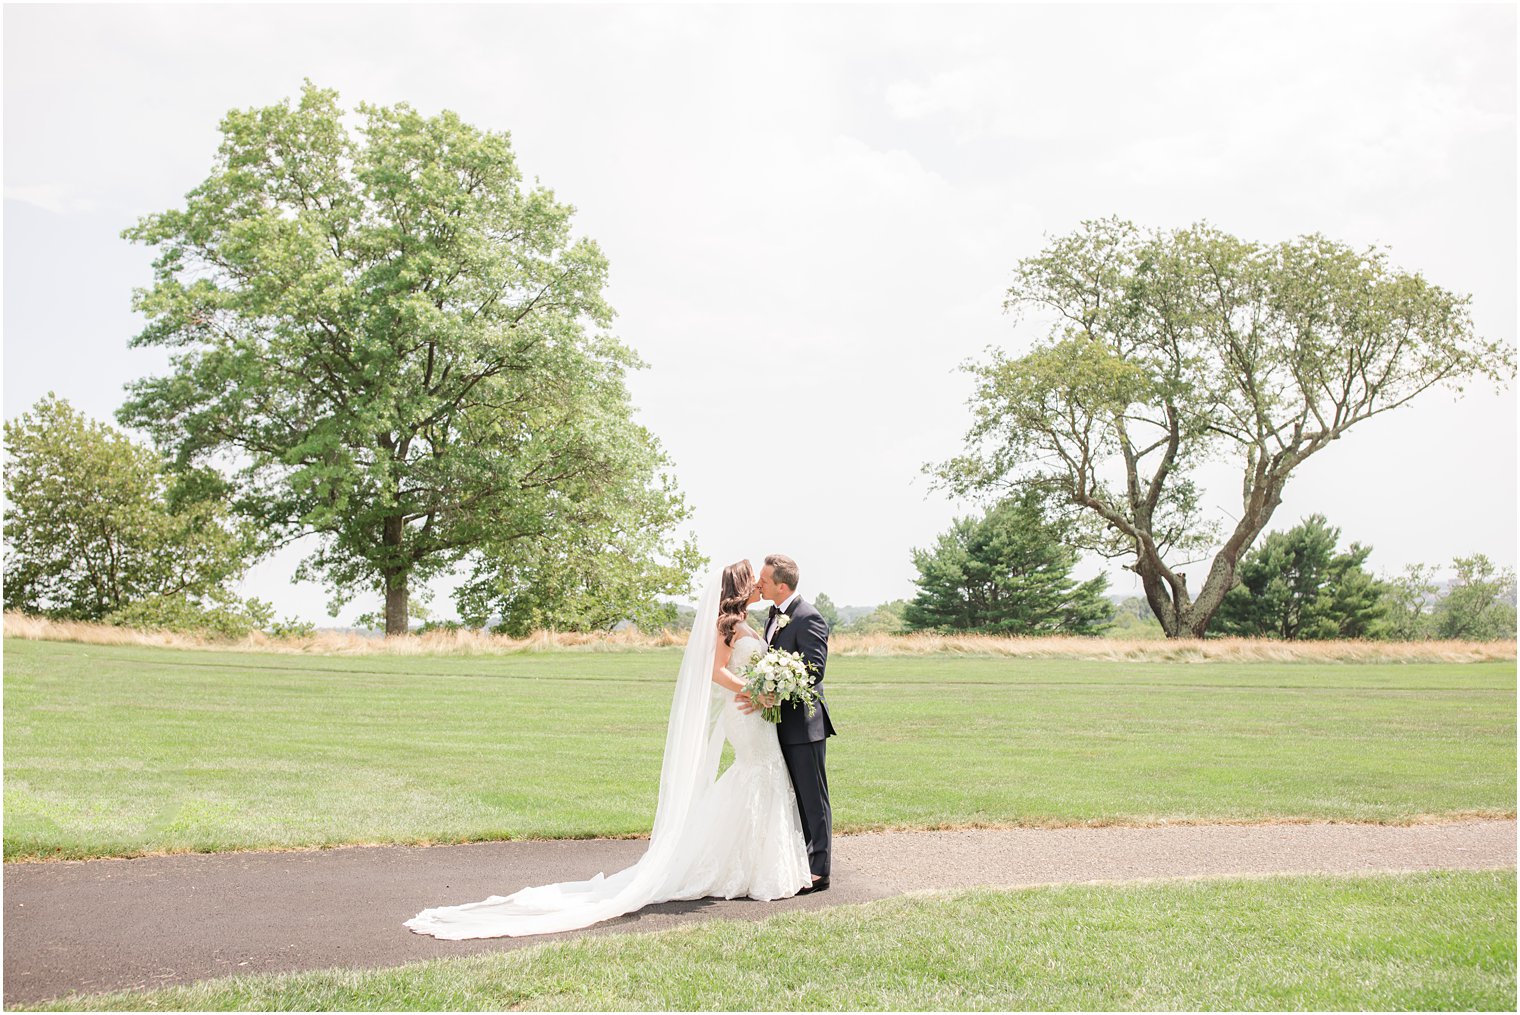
(795, 626)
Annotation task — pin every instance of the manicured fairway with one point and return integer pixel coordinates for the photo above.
(117, 750)
(1436, 941)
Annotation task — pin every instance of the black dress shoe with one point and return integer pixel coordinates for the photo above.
(821, 885)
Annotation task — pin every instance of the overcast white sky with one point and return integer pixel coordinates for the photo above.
(827, 200)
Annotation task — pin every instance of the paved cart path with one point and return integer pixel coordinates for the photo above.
(108, 924)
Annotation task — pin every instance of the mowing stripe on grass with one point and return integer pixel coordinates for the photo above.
(123, 750)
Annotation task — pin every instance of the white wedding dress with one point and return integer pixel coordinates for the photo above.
(727, 836)
(749, 840)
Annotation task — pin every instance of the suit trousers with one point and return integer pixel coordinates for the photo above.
(811, 784)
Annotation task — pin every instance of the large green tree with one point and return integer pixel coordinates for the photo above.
(97, 527)
(1169, 349)
(1298, 585)
(398, 345)
(1006, 572)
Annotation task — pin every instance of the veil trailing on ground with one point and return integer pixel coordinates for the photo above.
(693, 747)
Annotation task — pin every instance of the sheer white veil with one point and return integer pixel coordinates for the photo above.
(693, 747)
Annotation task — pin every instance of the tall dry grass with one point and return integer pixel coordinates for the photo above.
(339, 643)
(472, 643)
(1238, 650)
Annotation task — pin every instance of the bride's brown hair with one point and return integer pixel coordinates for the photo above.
(733, 607)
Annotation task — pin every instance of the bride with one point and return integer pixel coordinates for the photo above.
(729, 835)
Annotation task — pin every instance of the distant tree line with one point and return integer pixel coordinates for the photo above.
(103, 529)
(1298, 585)
(1009, 572)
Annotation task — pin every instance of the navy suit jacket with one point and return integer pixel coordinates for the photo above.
(807, 634)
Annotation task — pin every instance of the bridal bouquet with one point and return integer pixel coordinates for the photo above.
(783, 674)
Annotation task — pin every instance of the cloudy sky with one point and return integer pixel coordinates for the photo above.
(827, 202)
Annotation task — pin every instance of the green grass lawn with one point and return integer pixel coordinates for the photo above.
(118, 750)
(1443, 940)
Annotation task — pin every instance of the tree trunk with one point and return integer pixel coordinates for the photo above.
(1198, 624)
(1191, 618)
(396, 620)
(1159, 596)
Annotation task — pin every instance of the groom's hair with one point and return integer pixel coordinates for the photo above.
(783, 570)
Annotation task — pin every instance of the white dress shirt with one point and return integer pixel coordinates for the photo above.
(770, 627)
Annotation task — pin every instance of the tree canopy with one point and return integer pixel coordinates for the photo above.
(98, 529)
(1173, 348)
(397, 345)
(1480, 604)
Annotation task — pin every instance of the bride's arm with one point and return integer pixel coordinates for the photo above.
(720, 674)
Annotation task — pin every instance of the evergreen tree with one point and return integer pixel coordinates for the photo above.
(1296, 586)
(1008, 572)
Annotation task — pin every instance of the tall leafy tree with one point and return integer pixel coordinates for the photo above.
(1480, 604)
(1298, 585)
(1007, 572)
(96, 525)
(1169, 349)
(398, 345)
(1409, 598)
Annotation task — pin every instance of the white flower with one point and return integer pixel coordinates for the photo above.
(783, 675)
(782, 621)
